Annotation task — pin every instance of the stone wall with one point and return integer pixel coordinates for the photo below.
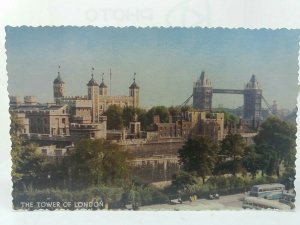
(155, 161)
(151, 161)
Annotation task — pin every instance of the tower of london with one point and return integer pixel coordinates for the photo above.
(90, 107)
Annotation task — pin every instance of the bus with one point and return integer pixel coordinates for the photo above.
(274, 196)
(260, 203)
(268, 191)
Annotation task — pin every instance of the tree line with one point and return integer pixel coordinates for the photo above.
(89, 163)
(118, 118)
(274, 150)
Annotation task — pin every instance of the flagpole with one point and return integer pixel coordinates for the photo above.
(110, 81)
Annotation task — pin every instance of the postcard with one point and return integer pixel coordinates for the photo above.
(152, 119)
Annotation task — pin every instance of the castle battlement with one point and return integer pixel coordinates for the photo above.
(77, 102)
(114, 97)
(93, 126)
(76, 97)
(37, 111)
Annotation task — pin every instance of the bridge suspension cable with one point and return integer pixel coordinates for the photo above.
(269, 106)
(186, 101)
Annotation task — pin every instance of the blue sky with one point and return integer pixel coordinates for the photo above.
(166, 61)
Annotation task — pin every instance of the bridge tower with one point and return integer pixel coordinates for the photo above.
(252, 102)
(202, 93)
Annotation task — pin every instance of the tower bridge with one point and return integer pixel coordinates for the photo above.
(203, 93)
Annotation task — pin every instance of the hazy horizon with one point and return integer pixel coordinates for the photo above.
(167, 61)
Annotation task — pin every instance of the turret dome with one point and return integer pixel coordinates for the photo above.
(102, 84)
(92, 81)
(134, 84)
(58, 80)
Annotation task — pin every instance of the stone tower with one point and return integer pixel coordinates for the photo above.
(58, 87)
(134, 91)
(103, 88)
(252, 102)
(93, 94)
(202, 93)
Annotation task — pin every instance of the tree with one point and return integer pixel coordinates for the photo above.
(27, 162)
(161, 111)
(129, 114)
(182, 179)
(114, 117)
(232, 150)
(186, 108)
(16, 126)
(174, 111)
(199, 155)
(230, 118)
(267, 158)
(276, 143)
(27, 166)
(142, 117)
(251, 160)
(179, 110)
(96, 162)
(289, 174)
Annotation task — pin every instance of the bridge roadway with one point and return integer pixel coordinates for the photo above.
(228, 91)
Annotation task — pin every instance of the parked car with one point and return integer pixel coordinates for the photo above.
(214, 196)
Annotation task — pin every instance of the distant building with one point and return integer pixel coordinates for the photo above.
(96, 102)
(207, 123)
(192, 122)
(89, 131)
(53, 151)
(173, 128)
(43, 118)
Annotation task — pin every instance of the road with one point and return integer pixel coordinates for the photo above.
(228, 202)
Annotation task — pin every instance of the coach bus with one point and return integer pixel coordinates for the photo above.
(269, 191)
(261, 203)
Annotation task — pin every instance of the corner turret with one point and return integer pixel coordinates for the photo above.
(102, 87)
(134, 91)
(58, 87)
